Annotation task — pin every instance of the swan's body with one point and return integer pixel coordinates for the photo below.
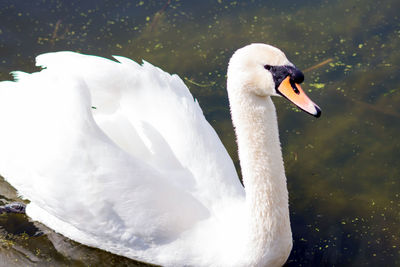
(142, 173)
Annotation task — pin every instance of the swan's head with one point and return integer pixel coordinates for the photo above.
(264, 70)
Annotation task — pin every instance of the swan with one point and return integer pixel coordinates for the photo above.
(119, 156)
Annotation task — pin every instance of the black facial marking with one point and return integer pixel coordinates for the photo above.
(295, 89)
(295, 74)
(279, 73)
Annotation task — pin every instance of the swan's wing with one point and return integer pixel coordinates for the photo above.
(166, 126)
(78, 181)
(140, 172)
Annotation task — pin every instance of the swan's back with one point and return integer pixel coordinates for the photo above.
(159, 109)
(115, 145)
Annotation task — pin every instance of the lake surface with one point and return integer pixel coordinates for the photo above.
(342, 169)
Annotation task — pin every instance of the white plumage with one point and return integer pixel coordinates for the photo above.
(119, 156)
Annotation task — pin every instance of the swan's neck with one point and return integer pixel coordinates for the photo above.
(269, 233)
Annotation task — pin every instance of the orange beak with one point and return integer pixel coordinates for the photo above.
(296, 95)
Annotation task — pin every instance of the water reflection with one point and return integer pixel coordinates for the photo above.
(342, 169)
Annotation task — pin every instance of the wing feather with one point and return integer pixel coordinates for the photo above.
(120, 146)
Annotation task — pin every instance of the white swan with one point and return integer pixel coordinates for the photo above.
(119, 156)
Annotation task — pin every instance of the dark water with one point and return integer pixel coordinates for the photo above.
(342, 169)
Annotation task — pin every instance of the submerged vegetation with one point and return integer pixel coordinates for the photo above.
(342, 168)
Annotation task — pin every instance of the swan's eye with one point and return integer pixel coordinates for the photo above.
(279, 73)
(267, 67)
